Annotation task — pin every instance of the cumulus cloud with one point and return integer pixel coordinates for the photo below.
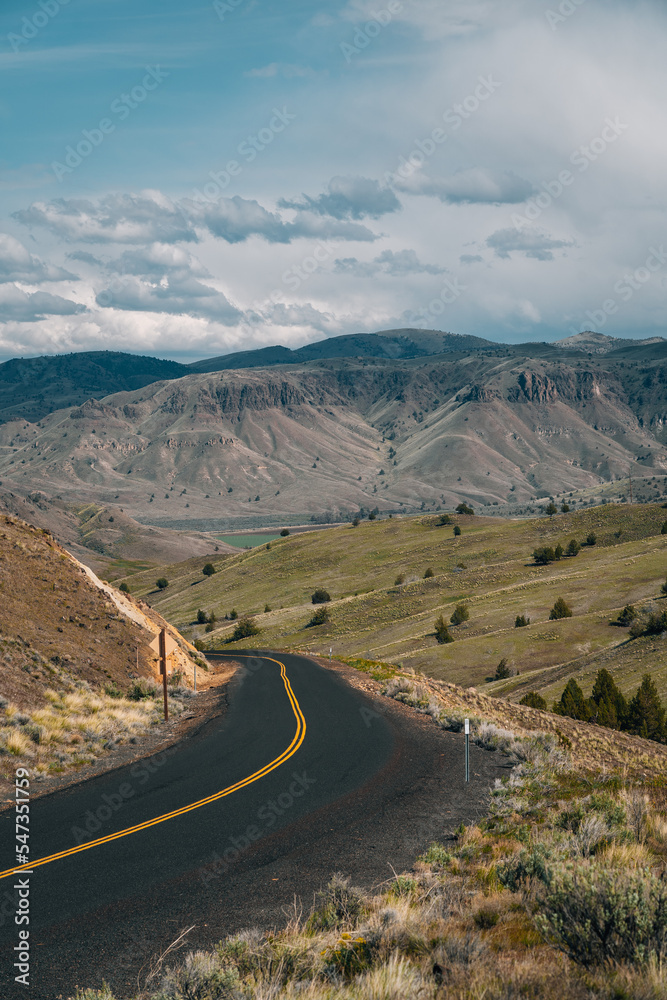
(157, 260)
(152, 218)
(474, 186)
(178, 296)
(349, 198)
(397, 263)
(17, 264)
(116, 218)
(27, 307)
(471, 258)
(530, 242)
(235, 219)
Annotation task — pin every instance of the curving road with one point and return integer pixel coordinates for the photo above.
(293, 782)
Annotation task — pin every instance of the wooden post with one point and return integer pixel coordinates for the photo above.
(163, 670)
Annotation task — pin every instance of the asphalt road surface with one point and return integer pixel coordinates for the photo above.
(302, 776)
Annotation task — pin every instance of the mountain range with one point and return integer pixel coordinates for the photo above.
(329, 435)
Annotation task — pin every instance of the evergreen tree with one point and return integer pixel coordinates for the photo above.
(646, 715)
(442, 632)
(572, 702)
(573, 547)
(611, 708)
(560, 610)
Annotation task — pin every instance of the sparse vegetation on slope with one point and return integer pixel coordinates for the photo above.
(385, 608)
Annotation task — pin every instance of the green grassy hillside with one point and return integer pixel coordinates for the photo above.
(489, 567)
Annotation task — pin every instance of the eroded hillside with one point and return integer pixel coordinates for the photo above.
(339, 435)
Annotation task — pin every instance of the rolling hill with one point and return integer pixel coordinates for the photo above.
(383, 607)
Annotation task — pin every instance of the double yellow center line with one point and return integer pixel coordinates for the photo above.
(297, 740)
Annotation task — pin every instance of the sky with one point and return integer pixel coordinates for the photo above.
(189, 180)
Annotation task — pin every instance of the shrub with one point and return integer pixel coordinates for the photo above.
(124, 588)
(663, 589)
(320, 596)
(460, 614)
(399, 580)
(266, 609)
(209, 569)
(534, 700)
(503, 670)
(663, 530)
(521, 621)
(338, 907)
(372, 516)
(356, 522)
(209, 627)
(428, 574)
(627, 615)
(551, 509)
(599, 916)
(245, 628)
(651, 624)
(565, 507)
(457, 531)
(142, 689)
(559, 551)
(463, 508)
(112, 690)
(284, 533)
(320, 617)
(162, 583)
(560, 610)
(202, 617)
(444, 519)
(442, 632)
(543, 555)
(200, 978)
(233, 615)
(573, 547)
(591, 538)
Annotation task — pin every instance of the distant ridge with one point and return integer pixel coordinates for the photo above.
(600, 343)
(394, 344)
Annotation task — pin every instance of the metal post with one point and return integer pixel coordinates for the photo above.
(330, 651)
(163, 670)
(467, 732)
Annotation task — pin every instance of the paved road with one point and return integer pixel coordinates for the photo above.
(287, 786)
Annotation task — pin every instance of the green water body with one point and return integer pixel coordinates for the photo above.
(247, 541)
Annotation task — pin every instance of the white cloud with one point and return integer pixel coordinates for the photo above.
(474, 186)
(349, 198)
(396, 263)
(17, 264)
(529, 242)
(26, 307)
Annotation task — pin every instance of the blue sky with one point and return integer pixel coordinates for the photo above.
(191, 180)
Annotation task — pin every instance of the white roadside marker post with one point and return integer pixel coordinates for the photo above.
(467, 733)
(330, 652)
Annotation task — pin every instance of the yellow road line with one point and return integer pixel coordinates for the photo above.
(297, 740)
